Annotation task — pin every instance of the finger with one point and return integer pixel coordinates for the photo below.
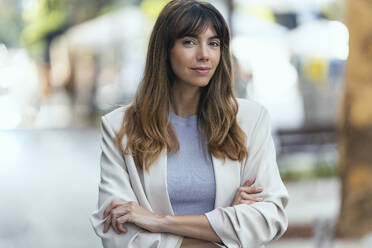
(252, 190)
(109, 208)
(115, 214)
(122, 219)
(107, 224)
(246, 196)
(112, 205)
(248, 202)
(251, 198)
(122, 228)
(120, 223)
(114, 225)
(250, 182)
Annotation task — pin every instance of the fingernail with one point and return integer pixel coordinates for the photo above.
(260, 199)
(259, 188)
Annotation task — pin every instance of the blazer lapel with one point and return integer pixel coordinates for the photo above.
(156, 186)
(227, 175)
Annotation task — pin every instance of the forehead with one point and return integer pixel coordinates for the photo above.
(207, 32)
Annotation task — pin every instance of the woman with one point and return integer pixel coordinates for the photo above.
(187, 164)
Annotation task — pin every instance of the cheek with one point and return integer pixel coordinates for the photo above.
(174, 61)
(217, 57)
(176, 67)
(179, 60)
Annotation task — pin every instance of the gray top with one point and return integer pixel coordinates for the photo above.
(190, 175)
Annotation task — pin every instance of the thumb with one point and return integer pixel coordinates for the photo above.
(250, 182)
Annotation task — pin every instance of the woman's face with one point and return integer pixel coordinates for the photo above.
(195, 59)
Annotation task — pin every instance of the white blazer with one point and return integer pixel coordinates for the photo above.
(237, 226)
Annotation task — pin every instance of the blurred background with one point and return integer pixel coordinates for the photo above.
(64, 63)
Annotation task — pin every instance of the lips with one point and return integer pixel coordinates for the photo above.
(201, 70)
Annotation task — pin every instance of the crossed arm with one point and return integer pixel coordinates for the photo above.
(195, 227)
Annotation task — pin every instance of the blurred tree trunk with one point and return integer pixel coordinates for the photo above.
(355, 219)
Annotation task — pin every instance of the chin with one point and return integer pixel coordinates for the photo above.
(196, 82)
(200, 83)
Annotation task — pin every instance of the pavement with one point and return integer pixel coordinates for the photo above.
(48, 187)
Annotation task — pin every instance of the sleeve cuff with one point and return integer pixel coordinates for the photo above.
(217, 222)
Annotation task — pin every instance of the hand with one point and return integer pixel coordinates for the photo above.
(242, 195)
(120, 212)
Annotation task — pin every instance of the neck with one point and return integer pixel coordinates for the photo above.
(185, 99)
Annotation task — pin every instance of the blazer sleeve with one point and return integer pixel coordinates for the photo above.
(115, 185)
(256, 224)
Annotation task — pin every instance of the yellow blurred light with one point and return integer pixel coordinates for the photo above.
(261, 12)
(316, 70)
(152, 8)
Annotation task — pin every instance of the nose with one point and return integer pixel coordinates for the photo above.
(203, 53)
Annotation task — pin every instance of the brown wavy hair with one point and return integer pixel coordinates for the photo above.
(146, 121)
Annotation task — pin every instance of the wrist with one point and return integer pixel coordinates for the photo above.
(164, 222)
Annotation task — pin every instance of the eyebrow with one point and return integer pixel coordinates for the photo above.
(209, 38)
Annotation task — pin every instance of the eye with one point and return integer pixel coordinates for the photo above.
(214, 44)
(189, 42)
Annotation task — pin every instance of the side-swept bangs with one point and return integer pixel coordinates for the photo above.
(195, 19)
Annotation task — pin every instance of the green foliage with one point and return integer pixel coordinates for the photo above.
(48, 18)
(112, 8)
(322, 169)
(325, 169)
(42, 19)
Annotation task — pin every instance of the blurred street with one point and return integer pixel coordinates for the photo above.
(48, 187)
(48, 184)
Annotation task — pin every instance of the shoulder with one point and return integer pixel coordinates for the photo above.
(252, 116)
(250, 110)
(114, 119)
